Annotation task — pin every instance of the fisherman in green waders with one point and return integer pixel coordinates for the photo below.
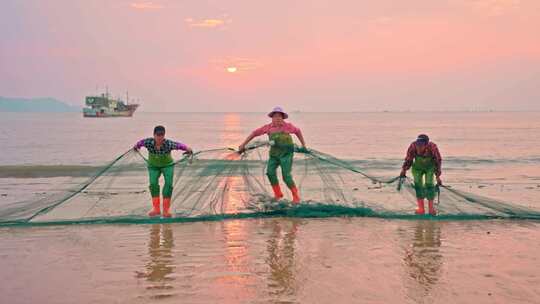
(281, 151)
(424, 158)
(160, 162)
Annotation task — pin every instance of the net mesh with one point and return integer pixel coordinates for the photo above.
(221, 183)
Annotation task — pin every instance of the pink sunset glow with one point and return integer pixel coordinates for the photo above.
(309, 55)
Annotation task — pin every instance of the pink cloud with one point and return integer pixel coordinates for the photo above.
(146, 6)
(207, 23)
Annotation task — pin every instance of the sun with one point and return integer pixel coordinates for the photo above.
(232, 69)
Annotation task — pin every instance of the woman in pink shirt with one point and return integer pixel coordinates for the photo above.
(281, 151)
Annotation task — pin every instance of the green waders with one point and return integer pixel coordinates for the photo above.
(281, 155)
(423, 170)
(157, 165)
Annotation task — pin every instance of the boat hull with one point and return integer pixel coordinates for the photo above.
(102, 113)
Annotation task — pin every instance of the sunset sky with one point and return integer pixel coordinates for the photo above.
(309, 55)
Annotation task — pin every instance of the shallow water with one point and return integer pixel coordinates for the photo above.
(339, 260)
(277, 260)
(477, 138)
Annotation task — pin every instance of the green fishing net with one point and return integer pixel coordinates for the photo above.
(221, 183)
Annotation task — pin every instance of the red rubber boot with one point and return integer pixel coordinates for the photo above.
(166, 207)
(296, 197)
(277, 192)
(432, 210)
(420, 209)
(156, 211)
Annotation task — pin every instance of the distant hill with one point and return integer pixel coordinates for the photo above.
(35, 105)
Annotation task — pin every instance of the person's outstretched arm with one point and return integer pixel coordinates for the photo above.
(180, 146)
(298, 134)
(438, 163)
(139, 144)
(258, 132)
(409, 158)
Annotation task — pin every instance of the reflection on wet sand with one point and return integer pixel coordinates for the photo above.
(281, 258)
(235, 278)
(423, 259)
(160, 265)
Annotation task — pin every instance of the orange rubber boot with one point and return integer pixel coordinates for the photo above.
(166, 207)
(277, 192)
(155, 203)
(431, 209)
(295, 196)
(420, 209)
